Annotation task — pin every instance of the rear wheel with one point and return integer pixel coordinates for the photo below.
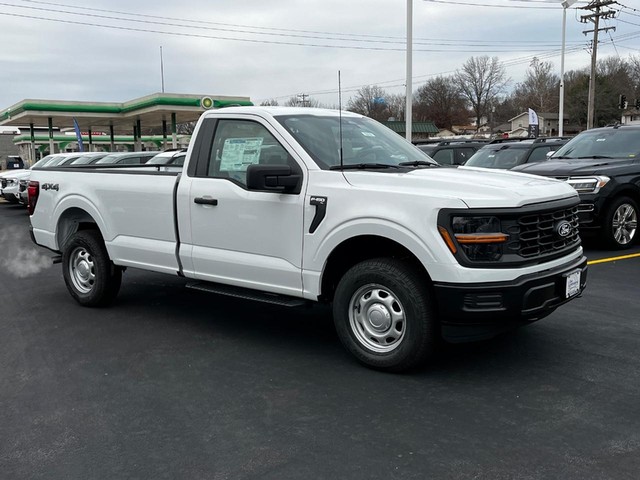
(383, 315)
(621, 223)
(91, 278)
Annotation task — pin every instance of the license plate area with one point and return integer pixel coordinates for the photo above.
(572, 283)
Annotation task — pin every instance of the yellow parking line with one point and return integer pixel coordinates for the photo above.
(613, 259)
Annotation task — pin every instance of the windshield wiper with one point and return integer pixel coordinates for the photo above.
(418, 163)
(362, 166)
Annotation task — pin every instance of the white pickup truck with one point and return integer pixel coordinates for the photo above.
(296, 205)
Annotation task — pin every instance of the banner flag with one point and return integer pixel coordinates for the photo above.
(534, 127)
(78, 135)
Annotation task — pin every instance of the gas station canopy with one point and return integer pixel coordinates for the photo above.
(150, 111)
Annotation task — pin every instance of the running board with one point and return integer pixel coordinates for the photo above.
(248, 294)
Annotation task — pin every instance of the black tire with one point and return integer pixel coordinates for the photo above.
(620, 228)
(91, 278)
(385, 287)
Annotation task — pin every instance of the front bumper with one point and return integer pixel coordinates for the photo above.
(9, 193)
(482, 310)
(591, 212)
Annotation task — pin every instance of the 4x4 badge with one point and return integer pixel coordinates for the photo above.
(563, 229)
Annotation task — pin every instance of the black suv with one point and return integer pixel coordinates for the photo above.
(603, 165)
(451, 152)
(509, 153)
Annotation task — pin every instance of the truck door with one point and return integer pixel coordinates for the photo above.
(234, 235)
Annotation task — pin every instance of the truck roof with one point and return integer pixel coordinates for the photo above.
(274, 111)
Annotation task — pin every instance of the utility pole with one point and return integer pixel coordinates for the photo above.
(302, 98)
(594, 18)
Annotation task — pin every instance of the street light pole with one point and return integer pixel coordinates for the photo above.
(408, 109)
(565, 4)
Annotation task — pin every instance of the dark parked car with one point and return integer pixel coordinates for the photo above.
(14, 162)
(510, 153)
(603, 165)
(451, 152)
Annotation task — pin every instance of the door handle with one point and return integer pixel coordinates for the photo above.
(205, 201)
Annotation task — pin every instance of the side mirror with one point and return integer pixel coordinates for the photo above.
(273, 178)
(550, 153)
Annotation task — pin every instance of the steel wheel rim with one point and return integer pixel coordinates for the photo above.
(625, 224)
(82, 270)
(377, 318)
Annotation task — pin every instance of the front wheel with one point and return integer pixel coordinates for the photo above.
(383, 315)
(91, 278)
(621, 223)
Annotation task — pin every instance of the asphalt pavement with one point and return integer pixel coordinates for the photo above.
(179, 384)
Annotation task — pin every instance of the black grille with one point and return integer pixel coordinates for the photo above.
(536, 235)
(3, 182)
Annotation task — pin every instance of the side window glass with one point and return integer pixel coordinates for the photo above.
(463, 154)
(539, 154)
(240, 143)
(443, 157)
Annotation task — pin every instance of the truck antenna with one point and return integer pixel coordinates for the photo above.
(340, 116)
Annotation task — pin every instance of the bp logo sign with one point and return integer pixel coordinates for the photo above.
(206, 103)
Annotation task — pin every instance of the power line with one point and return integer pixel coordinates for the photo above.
(439, 42)
(481, 48)
(204, 22)
(469, 4)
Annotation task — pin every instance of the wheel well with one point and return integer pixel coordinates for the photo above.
(628, 191)
(72, 221)
(358, 249)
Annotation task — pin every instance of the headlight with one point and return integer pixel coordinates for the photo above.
(480, 238)
(588, 184)
(11, 181)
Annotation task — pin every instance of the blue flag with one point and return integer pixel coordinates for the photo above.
(78, 135)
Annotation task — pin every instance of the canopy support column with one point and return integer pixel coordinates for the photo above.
(174, 131)
(111, 137)
(32, 147)
(164, 134)
(139, 128)
(51, 142)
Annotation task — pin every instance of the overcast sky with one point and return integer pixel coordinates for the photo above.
(278, 48)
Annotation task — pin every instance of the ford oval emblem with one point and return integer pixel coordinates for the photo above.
(563, 229)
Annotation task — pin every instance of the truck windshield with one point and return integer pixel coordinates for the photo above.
(364, 141)
(609, 143)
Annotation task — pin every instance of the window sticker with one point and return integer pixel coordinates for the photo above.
(368, 134)
(601, 140)
(239, 153)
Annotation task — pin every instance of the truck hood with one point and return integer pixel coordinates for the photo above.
(18, 174)
(579, 166)
(12, 172)
(476, 187)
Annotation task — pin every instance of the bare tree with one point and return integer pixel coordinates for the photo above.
(440, 101)
(396, 105)
(370, 101)
(634, 68)
(272, 102)
(186, 128)
(481, 80)
(539, 89)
